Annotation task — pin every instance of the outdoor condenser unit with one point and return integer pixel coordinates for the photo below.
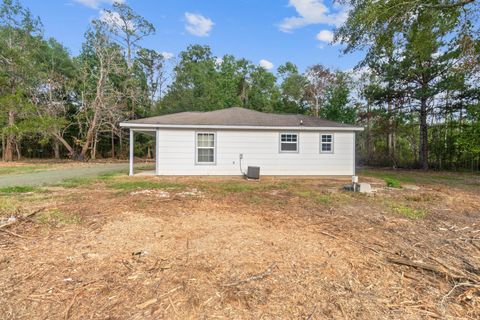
(253, 172)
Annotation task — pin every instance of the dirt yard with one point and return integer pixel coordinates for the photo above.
(116, 247)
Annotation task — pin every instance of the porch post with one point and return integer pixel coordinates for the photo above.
(157, 152)
(131, 152)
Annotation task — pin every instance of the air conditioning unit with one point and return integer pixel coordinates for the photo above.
(253, 172)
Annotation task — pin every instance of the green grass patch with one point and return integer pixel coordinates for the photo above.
(8, 206)
(110, 175)
(392, 183)
(76, 182)
(237, 187)
(229, 187)
(464, 180)
(408, 212)
(317, 197)
(19, 189)
(57, 217)
(131, 185)
(22, 169)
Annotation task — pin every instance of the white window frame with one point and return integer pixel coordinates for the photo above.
(202, 163)
(331, 143)
(280, 142)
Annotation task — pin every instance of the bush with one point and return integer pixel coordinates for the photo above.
(392, 183)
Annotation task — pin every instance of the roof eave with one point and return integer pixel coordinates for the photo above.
(235, 127)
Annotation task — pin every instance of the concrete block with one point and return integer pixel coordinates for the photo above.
(364, 187)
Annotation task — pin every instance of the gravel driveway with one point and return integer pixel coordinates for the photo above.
(57, 175)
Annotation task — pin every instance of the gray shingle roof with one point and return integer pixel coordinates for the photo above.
(238, 117)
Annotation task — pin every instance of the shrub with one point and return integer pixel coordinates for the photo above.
(392, 183)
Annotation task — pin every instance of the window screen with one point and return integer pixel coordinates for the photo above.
(326, 143)
(205, 147)
(288, 142)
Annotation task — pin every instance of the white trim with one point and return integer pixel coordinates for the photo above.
(292, 142)
(157, 152)
(332, 143)
(214, 163)
(178, 126)
(354, 155)
(132, 140)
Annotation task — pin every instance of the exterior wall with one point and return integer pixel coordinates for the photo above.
(176, 153)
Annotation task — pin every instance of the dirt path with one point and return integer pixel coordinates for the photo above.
(57, 175)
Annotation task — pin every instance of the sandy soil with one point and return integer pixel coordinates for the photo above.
(206, 252)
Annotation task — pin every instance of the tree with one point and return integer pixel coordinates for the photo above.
(319, 79)
(152, 64)
(102, 69)
(374, 22)
(263, 94)
(423, 52)
(19, 35)
(128, 27)
(337, 106)
(52, 98)
(293, 88)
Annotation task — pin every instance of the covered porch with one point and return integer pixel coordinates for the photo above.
(151, 133)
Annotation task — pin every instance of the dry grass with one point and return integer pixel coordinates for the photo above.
(190, 248)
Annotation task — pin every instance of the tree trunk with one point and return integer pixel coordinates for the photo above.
(3, 147)
(56, 149)
(67, 146)
(149, 152)
(390, 138)
(423, 148)
(113, 144)
(94, 146)
(10, 138)
(369, 138)
(17, 148)
(120, 142)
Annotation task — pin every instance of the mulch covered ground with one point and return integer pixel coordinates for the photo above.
(283, 249)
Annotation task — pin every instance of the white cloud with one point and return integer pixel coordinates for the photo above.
(313, 12)
(198, 25)
(167, 55)
(113, 19)
(325, 36)
(94, 4)
(265, 64)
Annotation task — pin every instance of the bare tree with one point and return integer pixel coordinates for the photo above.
(128, 27)
(319, 78)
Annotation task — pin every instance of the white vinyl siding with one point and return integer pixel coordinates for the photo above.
(177, 153)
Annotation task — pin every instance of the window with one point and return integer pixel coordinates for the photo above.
(205, 148)
(288, 142)
(326, 143)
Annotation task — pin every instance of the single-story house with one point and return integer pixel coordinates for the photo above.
(227, 141)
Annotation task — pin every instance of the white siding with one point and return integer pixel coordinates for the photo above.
(176, 154)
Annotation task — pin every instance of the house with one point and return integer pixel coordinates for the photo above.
(227, 141)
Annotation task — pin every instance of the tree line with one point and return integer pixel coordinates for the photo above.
(416, 91)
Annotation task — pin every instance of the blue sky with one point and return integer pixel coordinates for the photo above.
(274, 31)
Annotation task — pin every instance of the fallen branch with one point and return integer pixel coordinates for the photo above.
(310, 316)
(419, 265)
(21, 218)
(13, 234)
(458, 285)
(70, 305)
(255, 277)
(431, 268)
